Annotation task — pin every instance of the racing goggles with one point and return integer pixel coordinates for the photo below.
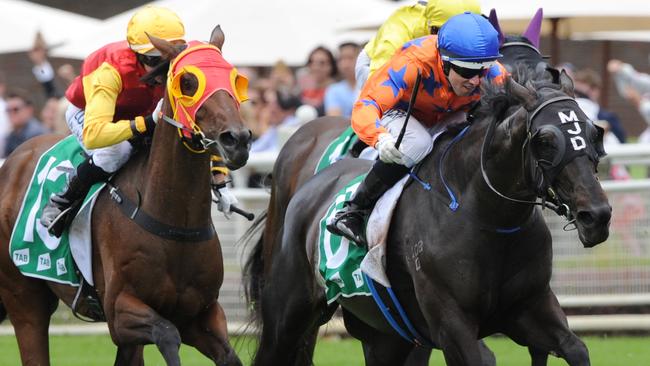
(467, 73)
(151, 61)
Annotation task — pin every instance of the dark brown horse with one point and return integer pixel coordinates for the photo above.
(461, 272)
(300, 155)
(153, 290)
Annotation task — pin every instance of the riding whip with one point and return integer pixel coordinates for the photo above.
(414, 95)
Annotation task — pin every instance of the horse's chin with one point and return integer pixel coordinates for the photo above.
(592, 236)
(236, 159)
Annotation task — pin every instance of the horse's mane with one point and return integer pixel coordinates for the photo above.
(498, 101)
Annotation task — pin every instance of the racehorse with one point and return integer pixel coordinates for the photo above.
(464, 273)
(153, 289)
(298, 158)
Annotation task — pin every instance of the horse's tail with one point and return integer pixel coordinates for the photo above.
(253, 271)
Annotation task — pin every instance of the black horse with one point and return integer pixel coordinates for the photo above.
(465, 274)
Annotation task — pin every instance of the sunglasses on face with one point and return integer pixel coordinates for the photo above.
(151, 61)
(467, 73)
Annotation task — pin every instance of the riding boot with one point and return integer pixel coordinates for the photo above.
(58, 212)
(350, 222)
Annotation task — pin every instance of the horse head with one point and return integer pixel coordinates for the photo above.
(203, 93)
(561, 149)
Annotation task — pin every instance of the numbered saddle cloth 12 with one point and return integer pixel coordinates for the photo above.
(340, 263)
(33, 250)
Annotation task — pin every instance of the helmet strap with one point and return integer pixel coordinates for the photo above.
(446, 66)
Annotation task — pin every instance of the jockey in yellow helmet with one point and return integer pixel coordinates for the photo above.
(407, 23)
(110, 104)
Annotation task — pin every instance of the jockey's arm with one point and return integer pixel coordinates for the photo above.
(218, 169)
(402, 26)
(101, 89)
(383, 90)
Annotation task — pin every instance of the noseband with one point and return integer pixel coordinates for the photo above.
(544, 188)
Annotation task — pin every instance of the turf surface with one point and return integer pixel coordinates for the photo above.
(93, 350)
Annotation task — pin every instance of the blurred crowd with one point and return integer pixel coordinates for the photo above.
(282, 98)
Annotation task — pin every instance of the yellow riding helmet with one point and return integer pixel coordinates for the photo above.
(157, 21)
(438, 11)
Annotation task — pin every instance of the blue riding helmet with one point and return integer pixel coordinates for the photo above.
(468, 40)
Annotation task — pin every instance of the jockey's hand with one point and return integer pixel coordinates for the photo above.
(226, 200)
(157, 112)
(388, 153)
(151, 120)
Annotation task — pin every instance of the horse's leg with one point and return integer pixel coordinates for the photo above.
(457, 338)
(30, 304)
(135, 323)
(542, 325)
(418, 357)
(209, 334)
(538, 357)
(379, 349)
(130, 355)
(292, 311)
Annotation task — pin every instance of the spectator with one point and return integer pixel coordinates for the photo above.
(282, 78)
(588, 85)
(282, 109)
(21, 120)
(4, 118)
(320, 73)
(53, 112)
(340, 96)
(42, 69)
(635, 86)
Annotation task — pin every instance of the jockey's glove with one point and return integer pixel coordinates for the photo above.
(226, 200)
(388, 153)
(145, 125)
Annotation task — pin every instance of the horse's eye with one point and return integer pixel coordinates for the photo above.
(546, 147)
(189, 84)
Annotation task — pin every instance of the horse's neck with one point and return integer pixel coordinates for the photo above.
(176, 182)
(461, 170)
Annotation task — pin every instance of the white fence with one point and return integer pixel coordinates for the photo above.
(612, 274)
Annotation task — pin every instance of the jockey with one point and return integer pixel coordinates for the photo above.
(407, 23)
(110, 104)
(452, 65)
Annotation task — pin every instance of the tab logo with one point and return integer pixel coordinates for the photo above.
(21, 257)
(60, 267)
(44, 262)
(357, 277)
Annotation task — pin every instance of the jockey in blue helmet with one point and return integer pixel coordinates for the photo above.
(452, 66)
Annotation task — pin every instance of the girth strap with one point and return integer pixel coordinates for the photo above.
(133, 211)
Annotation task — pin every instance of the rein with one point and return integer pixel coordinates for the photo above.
(198, 139)
(560, 208)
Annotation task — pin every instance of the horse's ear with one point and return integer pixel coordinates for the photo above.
(217, 37)
(535, 28)
(167, 49)
(555, 74)
(566, 83)
(495, 23)
(525, 95)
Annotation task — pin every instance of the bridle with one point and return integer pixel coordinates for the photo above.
(197, 142)
(544, 181)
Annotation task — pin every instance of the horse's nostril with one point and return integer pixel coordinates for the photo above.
(586, 218)
(228, 139)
